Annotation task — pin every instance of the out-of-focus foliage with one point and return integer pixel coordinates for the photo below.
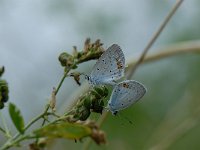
(4, 91)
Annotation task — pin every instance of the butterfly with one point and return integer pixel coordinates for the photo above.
(109, 67)
(125, 94)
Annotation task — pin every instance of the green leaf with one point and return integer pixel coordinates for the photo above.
(64, 130)
(16, 117)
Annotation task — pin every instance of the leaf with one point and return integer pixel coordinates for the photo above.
(16, 117)
(64, 130)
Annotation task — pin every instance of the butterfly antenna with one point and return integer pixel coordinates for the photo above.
(85, 75)
(125, 118)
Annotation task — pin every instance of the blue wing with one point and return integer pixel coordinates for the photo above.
(109, 67)
(125, 94)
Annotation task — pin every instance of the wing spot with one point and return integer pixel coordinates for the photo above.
(122, 104)
(125, 85)
(98, 69)
(119, 63)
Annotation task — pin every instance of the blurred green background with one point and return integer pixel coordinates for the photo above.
(34, 33)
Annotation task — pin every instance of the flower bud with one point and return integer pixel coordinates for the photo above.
(3, 91)
(2, 69)
(1, 105)
(66, 60)
(97, 105)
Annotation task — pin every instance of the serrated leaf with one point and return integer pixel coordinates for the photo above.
(64, 130)
(16, 117)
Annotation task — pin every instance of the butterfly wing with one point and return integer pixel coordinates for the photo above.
(109, 67)
(125, 94)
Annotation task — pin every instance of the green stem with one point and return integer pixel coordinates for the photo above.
(16, 142)
(7, 132)
(61, 82)
(42, 115)
(37, 118)
(57, 89)
(25, 137)
(1, 129)
(10, 141)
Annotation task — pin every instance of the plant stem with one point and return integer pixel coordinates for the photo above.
(1, 129)
(25, 137)
(178, 49)
(154, 38)
(37, 118)
(6, 131)
(9, 143)
(61, 82)
(16, 142)
(57, 89)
